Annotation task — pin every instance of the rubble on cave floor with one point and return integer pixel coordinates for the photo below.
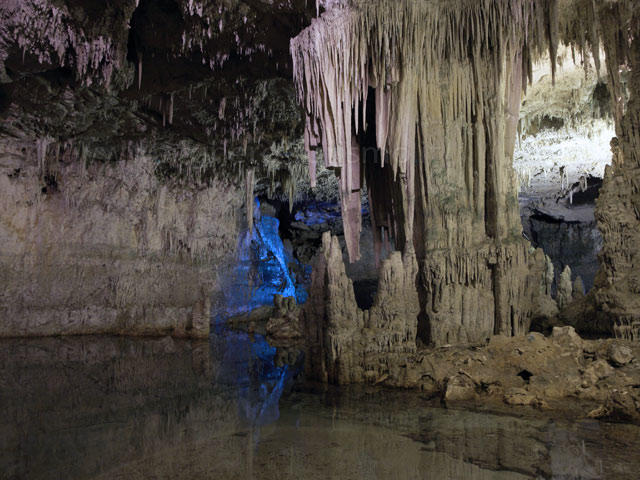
(559, 373)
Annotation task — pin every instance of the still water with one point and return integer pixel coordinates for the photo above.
(117, 408)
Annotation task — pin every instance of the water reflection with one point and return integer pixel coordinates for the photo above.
(247, 364)
(131, 409)
(123, 408)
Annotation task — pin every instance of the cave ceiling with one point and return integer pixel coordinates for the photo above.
(207, 81)
(202, 85)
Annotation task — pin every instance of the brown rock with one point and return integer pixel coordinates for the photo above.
(566, 333)
(619, 355)
(596, 371)
(600, 412)
(519, 396)
(459, 387)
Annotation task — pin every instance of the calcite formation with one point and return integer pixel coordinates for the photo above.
(347, 345)
(618, 207)
(418, 101)
(127, 130)
(45, 32)
(107, 249)
(421, 100)
(565, 288)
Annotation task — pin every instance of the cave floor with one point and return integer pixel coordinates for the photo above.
(124, 408)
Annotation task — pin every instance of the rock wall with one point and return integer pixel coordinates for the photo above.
(348, 345)
(618, 208)
(105, 248)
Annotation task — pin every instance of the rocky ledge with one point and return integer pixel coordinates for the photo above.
(561, 373)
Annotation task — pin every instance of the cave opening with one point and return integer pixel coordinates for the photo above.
(563, 148)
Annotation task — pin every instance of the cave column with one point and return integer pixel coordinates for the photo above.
(617, 286)
(446, 81)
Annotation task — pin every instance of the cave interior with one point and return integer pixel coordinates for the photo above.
(346, 230)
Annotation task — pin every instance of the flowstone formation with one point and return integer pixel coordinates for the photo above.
(421, 100)
(108, 249)
(617, 294)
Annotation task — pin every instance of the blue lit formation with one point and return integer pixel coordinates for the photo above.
(319, 213)
(247, 361)
(264, 269)
(324, 213)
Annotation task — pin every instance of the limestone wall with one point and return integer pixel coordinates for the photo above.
(89, 248)
(618, 208)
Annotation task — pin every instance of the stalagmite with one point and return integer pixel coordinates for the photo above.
(549, 275)
(578, 288)
(345, 344)
(565, 288)
(564, 180)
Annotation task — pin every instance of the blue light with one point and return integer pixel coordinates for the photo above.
(318, 213)
(247, 361)
(247, 364)
(263, 269)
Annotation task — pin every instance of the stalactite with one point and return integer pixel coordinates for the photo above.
(551, 13)
(351, 203)
(383, 107)
(42, 145)
(311, 142)
(446, 79)
(46, 31)
(401, 49)
(249, 198)
(222, 108)
(170, 114)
